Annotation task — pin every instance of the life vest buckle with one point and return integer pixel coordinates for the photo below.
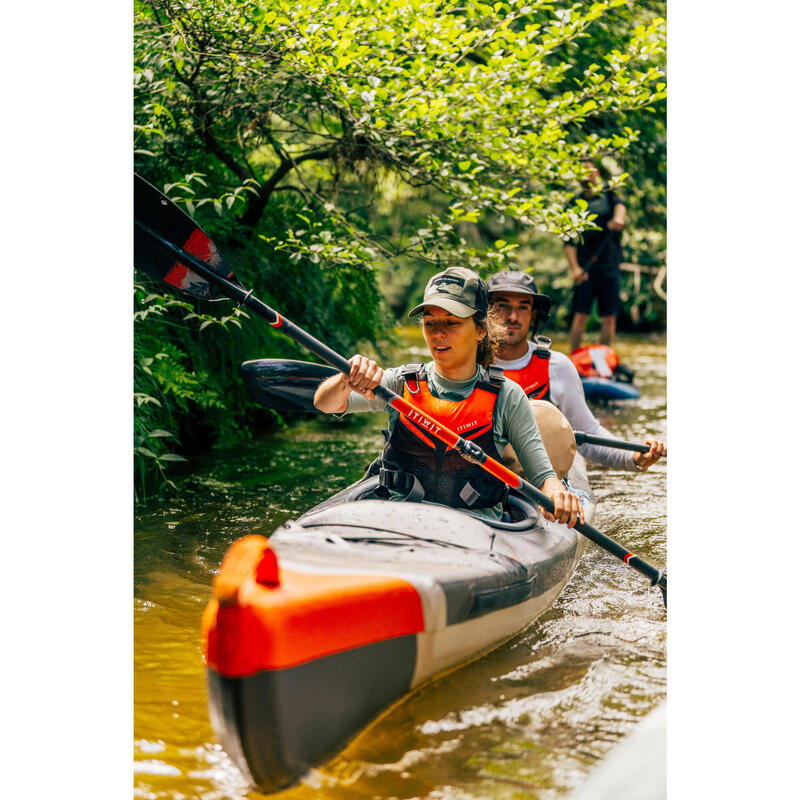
(389, 478)
(409, 373)
(542, 349)
(406, 483)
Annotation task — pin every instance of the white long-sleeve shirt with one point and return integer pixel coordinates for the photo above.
(566, 393)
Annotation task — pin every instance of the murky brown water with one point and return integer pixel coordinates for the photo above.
(527, 721)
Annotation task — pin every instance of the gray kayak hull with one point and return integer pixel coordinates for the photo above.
(359, 601)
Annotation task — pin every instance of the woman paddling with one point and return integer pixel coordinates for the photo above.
(458, 390)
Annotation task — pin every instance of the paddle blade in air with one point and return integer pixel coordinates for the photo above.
(154, 210)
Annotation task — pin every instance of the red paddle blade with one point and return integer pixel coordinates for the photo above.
(161, 215)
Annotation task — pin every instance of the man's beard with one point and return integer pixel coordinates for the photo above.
(512, 336)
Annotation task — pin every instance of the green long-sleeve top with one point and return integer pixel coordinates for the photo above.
(513, 419)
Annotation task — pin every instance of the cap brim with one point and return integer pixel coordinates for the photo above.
(453, 306)
(542, 301)
(514, 287)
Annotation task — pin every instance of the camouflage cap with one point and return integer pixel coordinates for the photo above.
(458, 290)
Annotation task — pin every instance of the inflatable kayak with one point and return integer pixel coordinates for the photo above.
(314, 632)
(602, 375)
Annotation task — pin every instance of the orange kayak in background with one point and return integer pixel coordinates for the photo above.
(602, 375)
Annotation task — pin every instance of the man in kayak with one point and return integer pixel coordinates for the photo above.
(550, 375)
(594, 261)
(461, 390)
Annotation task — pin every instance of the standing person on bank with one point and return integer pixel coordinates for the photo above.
(549, 375)
(459, 390)
(594, 261)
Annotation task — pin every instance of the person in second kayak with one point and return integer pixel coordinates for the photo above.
(459, 390)
(549, 375)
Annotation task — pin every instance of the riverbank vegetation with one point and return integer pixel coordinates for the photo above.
(340, 152)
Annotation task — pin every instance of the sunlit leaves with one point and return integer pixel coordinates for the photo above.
(405, 77)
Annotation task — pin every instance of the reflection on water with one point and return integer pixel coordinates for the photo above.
(526, 721)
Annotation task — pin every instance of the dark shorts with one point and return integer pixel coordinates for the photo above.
(604, 285)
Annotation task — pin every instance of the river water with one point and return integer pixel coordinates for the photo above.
(529, 720)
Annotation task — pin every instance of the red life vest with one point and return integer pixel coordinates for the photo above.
(422, 467)
(595, 361)
(534, 377)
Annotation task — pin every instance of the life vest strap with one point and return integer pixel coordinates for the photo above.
(404, 482)
(542, 346)
(413, 373)
(496, 376)
(407, 484)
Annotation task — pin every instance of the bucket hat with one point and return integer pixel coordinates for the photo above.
(522, 283)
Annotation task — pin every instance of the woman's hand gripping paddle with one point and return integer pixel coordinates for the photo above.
(167, 253)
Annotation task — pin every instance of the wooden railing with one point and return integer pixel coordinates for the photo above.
(660, 274)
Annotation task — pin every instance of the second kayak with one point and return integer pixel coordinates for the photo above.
(600, 389)
(602, 375)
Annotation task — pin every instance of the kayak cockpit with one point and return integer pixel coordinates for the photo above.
(518, 513)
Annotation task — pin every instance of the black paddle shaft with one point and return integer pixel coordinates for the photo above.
(587, 438)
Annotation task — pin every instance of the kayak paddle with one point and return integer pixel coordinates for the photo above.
(153, 214)
(286, 385)
(587, 438)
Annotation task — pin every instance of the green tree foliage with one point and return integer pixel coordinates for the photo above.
(339, 150)
(645, 159)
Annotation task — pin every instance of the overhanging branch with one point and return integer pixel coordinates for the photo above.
(258, 202)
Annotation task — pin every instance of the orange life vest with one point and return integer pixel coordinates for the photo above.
(420, 466)
(534, 377)
(595, 361)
